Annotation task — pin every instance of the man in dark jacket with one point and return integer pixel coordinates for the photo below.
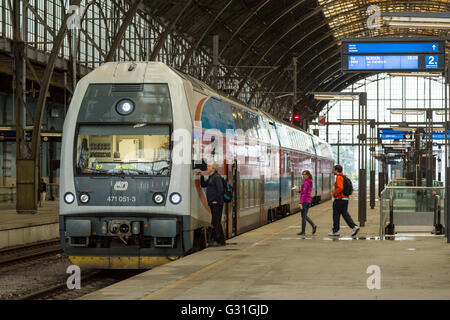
(214, 195)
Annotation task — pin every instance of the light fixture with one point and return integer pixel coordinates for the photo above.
(175, 198)
(439, 20)
(139, 125)
(125, 107)
(441, 112)
(334, 97)
(405, 128)
(158, 198)
(84, 198)
(69, 198)
(353, 121)
(284, 95)
(408, 112)
(338, 96)
(414, 74)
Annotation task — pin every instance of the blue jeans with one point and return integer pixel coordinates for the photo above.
(340, 207)
(305, 217)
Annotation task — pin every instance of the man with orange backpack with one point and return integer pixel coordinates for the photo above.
(342, 190)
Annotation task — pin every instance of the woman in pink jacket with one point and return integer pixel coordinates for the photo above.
(305, 201)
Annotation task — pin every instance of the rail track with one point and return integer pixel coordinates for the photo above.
(91, 281)
(28, 252)
(30, 255)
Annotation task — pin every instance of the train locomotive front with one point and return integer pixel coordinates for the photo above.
(124, 202)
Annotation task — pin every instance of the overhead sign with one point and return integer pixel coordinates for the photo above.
(394, 47)
(438, 135)
(389, 134)
(383, 62)
(393, 55)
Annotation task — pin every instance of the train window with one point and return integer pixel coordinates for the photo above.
(267, 127)
(244, 125)
(235, 117)
(258, 192)
(139, 149)
(261, 129)
(253, 192)
(254, 121)
(246, 200)
(248, 124)
(241, 194)
(152, 102)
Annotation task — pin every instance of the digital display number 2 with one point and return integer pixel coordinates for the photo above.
(431, 62)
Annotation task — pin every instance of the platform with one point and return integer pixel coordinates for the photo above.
(274, 263)
(19, 229)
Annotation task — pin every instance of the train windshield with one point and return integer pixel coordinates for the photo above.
(139, 149)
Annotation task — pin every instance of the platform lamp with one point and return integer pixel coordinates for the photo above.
(362, 142)
(435, 20)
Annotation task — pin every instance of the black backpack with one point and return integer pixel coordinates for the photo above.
(227, 191)
(348, 186)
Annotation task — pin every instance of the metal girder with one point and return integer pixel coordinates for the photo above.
(280, 38)
(246, 20)
(340, 84)
(194, 47)
(303, 18)
(267, 94)
(39, 112)
(127, 20)
(19, 76)
(275, 20)
(316, 78)
(105, 21)
(165, 34)
(39, 18)
(302, 39)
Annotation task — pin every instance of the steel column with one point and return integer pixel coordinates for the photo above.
(24, 168)
(362, 194)
(28, 169)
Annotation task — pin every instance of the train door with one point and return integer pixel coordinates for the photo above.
(233, 212)
(262, 199)
(316, 179)
(293, 193)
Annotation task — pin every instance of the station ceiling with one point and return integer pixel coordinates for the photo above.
(258, 38)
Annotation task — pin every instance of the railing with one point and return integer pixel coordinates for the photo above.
(410, 183)
(411, 209)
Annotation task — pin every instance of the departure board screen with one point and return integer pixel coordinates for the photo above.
(394, 47)
(393, 55)
(383, 62)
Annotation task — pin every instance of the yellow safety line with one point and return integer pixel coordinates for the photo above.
(215, 264)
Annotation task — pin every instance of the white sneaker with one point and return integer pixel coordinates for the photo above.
(334, 234)
(355, 230)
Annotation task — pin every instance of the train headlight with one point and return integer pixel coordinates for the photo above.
(175, 198)
(69, 198)
(158, 198)
(84, 198)
(125, 107)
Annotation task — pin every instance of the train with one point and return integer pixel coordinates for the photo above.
(136, 134)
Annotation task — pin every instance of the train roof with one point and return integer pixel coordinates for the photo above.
(136, 72)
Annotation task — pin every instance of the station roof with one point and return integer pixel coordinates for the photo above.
(258, 38)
